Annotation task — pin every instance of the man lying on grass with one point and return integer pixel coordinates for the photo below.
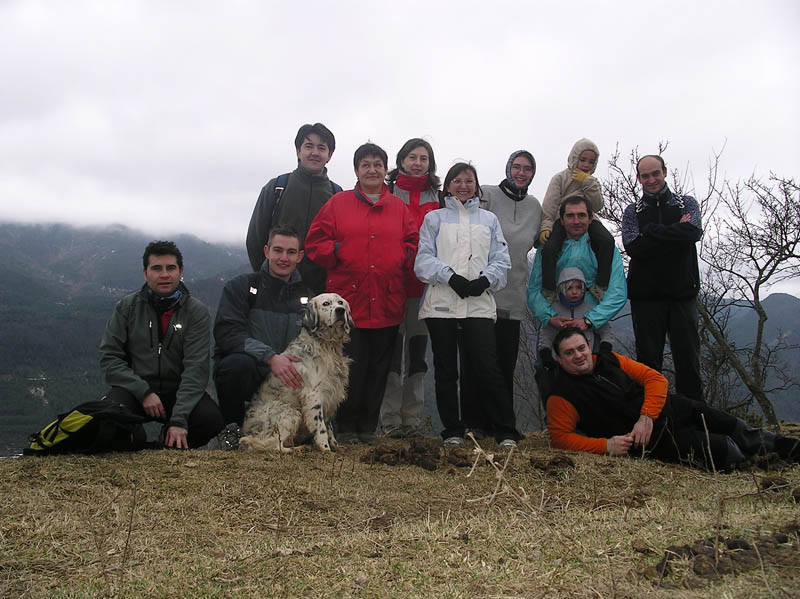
(621, 407)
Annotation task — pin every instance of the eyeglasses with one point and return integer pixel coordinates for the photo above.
(525, 169)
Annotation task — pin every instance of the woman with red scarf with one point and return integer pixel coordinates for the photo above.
(414, 181)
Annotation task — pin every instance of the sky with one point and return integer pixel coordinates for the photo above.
(169, 117)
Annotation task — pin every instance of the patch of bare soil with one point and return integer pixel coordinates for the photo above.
(712, 558)
(425, 452)
(557, 465)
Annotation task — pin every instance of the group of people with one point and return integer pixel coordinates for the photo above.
(414, 261)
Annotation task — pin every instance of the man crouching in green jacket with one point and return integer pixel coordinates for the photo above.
(155, 352)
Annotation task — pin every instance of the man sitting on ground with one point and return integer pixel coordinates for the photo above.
(257, 318)
(622, 406)
(155, 352)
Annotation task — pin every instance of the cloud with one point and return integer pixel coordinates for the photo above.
(171, 116)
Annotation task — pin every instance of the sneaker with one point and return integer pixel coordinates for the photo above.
(229, 436)
(393, 432)
(453, 442)
(507, 445)
(410, 431)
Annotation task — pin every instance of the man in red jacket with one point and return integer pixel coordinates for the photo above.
(621, 406)
(366, 239)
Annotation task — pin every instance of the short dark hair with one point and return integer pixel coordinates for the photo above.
(370, 149)
(284, 230)
(455, 170)
(413, 144)
(320, 130)
(566, 334)
(657, 157)
(161, 248)
(574, 199)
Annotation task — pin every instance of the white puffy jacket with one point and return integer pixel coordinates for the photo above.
(466, 240)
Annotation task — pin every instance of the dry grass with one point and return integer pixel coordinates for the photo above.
(217, 524)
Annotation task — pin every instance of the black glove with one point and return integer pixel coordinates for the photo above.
(460, 285)
(478, 286)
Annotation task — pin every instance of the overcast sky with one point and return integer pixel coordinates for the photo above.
(170, 116)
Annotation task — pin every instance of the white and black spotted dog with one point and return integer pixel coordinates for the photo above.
(281, 418)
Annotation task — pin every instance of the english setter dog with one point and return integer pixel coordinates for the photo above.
(281, 418)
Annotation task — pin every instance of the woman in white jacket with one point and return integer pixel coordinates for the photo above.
(463, 258)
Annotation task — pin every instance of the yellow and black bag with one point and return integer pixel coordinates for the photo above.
(92, 427)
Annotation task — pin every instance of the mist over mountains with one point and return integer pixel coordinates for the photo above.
(58, 285)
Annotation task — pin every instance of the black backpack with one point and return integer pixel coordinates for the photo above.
(92, 427)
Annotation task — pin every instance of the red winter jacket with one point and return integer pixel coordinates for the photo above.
(367, 249)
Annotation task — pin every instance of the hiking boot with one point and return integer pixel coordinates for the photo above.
(410, 431)
(507, 445)
(229, 436)
(393, 432)
(453, 442)
(788, 448)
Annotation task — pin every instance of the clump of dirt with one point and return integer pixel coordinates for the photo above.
(711, 559)
(555, 466)
(426, 453)
(773, 483)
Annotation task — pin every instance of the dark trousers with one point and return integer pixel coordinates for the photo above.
(691, 431)
(506, 335)
(488, 405)
(237, 377)
(602, 244)
(205, 420)
(652, 322)
(371, 351)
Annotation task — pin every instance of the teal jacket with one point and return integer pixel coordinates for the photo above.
(578, 253)
(131, 356)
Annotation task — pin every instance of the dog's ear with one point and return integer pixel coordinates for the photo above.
(348, 321)
(310, 317)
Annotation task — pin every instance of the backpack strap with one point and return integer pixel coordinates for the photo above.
(277, 194)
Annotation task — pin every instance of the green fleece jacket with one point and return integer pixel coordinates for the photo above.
(131, 356)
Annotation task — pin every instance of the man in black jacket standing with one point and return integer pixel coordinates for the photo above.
(659, 233)
(294, 199)
(259, 314)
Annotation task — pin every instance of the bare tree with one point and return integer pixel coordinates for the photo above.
(529, 407)
(751, 242)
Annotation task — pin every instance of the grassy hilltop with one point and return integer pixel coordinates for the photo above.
(356, 524)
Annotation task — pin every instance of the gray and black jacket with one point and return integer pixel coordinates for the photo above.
(261, 324)
(132, 356)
